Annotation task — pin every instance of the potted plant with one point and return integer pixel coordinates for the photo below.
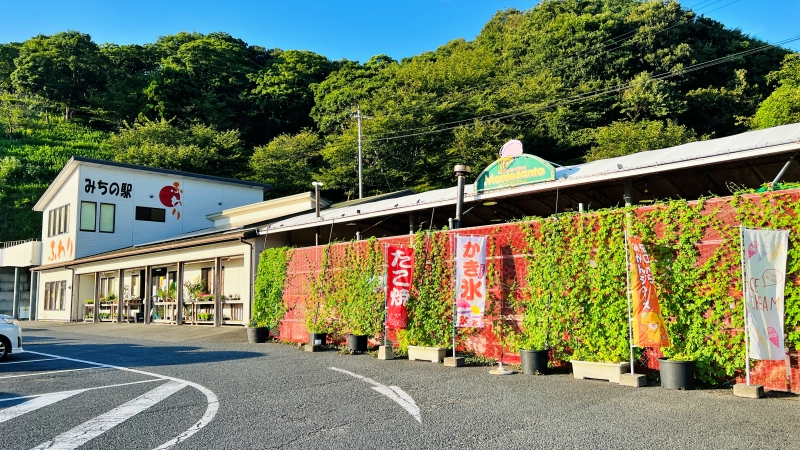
(268, 306)
(530, 340)
(677, 371)
(317, 316)
(430, 311)
(111, 297)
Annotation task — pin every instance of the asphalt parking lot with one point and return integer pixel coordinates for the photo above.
(151, 386)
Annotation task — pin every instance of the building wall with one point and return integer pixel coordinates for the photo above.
(58, 315)
(185, 200)
(62, 247)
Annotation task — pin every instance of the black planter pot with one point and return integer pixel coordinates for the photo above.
(534, 361)
(357, 344)
(317, 338)
(677, 374)
(257, 335)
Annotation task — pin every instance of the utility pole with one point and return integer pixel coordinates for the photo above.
(360, 184)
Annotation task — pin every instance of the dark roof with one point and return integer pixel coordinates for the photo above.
(374, 198)
(171, 172)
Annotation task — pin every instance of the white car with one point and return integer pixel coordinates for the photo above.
(10, 336)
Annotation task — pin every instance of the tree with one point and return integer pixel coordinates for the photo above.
(288, 162)
(127, 72)
(343, 89)
(282, 94)
(783, 105)
(65, 68)
(8, 53)
(197, 149)
(203, 78)
(626, 138)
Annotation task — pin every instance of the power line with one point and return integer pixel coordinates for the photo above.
(598, 51)
(596, 93)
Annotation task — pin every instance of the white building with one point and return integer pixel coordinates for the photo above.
(131, 243)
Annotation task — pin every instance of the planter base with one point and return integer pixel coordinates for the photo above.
(454, 362)
(432, 354)
(751, 391)
(598, 371)
(633, 380)
(385, 352)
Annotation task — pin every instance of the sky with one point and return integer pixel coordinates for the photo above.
(355, 29)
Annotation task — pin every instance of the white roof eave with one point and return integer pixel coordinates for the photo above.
(747, 145)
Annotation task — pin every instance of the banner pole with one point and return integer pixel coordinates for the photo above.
(455, 293)
(628, 283)
(744, 305)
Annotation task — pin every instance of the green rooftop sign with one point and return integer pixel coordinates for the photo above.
(509, 171)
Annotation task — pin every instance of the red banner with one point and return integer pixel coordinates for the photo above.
(398, 285)
(648, 325)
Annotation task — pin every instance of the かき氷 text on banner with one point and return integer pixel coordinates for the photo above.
(470, 280)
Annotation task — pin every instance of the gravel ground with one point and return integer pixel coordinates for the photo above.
(274, 396)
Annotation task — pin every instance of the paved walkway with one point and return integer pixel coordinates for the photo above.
(152, 332)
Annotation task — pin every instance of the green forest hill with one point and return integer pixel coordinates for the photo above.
(574, 80)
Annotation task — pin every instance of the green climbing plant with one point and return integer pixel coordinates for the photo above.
(358, 297)
(268, 304)
(430, 306)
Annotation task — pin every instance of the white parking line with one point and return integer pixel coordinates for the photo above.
(28, 361)
(396, 394)
(84, 390)
(46, 373)
(90, 429)
(32, 405)
(211, 398)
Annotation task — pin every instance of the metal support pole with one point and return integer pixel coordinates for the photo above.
(120, 294)
(461, 172)
(15, 296)
(455, 293)
(148, 291)
(628, 282)
(411, 223)
(217, 291)
(744, 306)
(783, 171)
(34, 297)
(628, 193)
(179, 294)
(96, 313)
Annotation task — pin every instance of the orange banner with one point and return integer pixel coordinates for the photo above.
(648, 324)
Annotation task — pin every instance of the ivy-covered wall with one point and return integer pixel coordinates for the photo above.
(560, 283)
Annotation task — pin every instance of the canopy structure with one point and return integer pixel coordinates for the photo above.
(689, 171)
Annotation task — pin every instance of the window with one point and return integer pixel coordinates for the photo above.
(107, 286)
(207, 276)
(107, 213)
(54, 292)
(88, 216)
(151, 214)
(58, 221)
